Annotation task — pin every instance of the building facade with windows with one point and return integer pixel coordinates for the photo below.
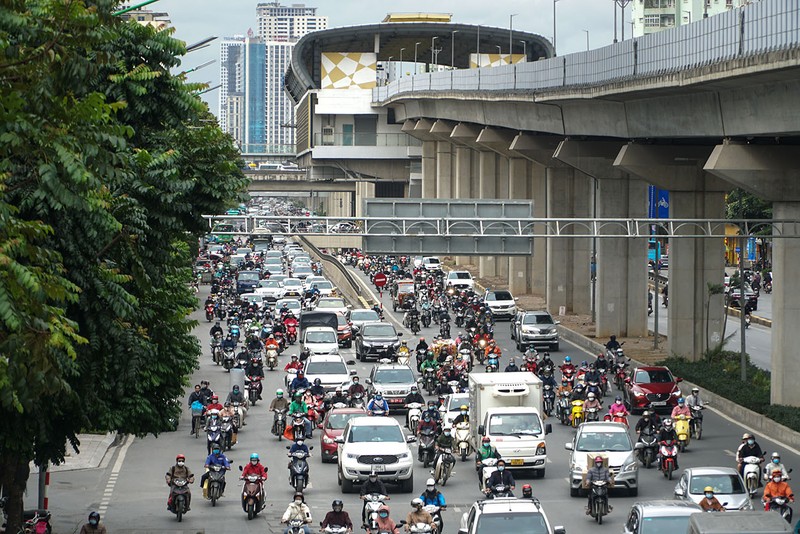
(650, 16)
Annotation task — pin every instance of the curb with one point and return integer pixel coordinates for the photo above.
(734, 312)
(76, 463)
(754, 421)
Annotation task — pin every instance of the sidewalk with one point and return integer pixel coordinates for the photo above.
(93, 449)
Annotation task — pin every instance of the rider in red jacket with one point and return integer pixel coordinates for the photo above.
(255, 467)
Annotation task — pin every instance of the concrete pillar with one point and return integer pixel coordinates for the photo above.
(693, 262)
(538, 193)
(518, 268)
(501, 192)
(582, 197)
(487, 177)
(773, 173)
(429, 169)
(559, 250)
(444, 178)
(462, 183)
(363, 190)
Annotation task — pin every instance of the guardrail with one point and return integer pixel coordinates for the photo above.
(345, 281)
(757, 28)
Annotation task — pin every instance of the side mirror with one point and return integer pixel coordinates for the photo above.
(311, 448)
(338, 439)
(288, 447)
(548, 428)
(678, 379)
(241, 468)
(516, 299)
(557, 322)
(559, 530)
(319, 426)
(517, 323)
(481, 430)
(411, 439)
(568, 446)
(400, 334)
(368, 381)
(462, 531)
(679, 492)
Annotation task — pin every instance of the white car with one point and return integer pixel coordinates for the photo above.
(254, 298)
(330, 369)
(507, 514)
(459, 280)
(272, 290)
(293, 287)
(310, 280)
(332, 304)
(293, 305)
(501, 303)
(454, 403)
(321, 340)
(611, 442)
(431, 263)
(375, 444)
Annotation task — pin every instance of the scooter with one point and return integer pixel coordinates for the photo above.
(492, 364)
(444, 466)
(696, 422)
(333, 529)
(216, 349)
(272, 359)
(227, 433)
(562, 410)
(228, 358)
(549, 397)
(36, 521)
(780, 505)
(298, 427)
(178, 501)
(373, 502)
(592, 414)
(487, 467)
(462, 437)
(750, 473)
(600, 505)
(425, 449)
(357, 401)
(576, 415)
(279, 423)
(296, 527)
(216, 479)
(253, 386)
(209, 312)
(252, 495)
(213, 435)
(420, 528)
(298, 469)
(436, 514)
(414, 415)
(647, 453)
(669, 455)
(498, 491)
(682, 429)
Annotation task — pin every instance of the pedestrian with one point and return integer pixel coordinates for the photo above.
(94, 526)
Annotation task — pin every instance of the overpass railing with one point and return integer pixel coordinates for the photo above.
(758, 28)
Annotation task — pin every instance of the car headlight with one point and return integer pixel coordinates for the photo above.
(676, 393)
(638, 394)
(629, 465)
(352, 456)
(328, 441)
(403, 455)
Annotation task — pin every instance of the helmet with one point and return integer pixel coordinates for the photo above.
(94, 515)
(681, 400)
(464, 407)
(214, 397)
(430, 482)
(339, 389)
(645, 414)
(227, 403)
(708, 489)
(747, 435)
(235, 388)
(613, 338)
(378, 396)
(337, 503)
(567, 359)
(294, 356)
(777, 472)
(617, 399)
(404, 342)
(527, 490)
(590, 395)
(667, 423)
(422, 339)
(180, 457)
(414, 388)
(317, 381)
(216, 323)
(279, 393)
(598, 459)
(486, 440)
(299, 494)
(776, 455)
(584, 363)
(416, 503)
(695, 390)
(254, 456)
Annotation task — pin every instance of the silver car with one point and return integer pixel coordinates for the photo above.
(659, 517)
(535, 329)
(728, 486)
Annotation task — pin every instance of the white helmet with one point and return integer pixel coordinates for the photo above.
(590, 396)
(430, 482)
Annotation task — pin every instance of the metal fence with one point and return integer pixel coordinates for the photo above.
(758, 28)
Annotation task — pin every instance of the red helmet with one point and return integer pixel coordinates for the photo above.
(598, 459)
(214, 397)
(180, 457)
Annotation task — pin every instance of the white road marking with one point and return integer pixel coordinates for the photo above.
(112, 479)
(729, 453)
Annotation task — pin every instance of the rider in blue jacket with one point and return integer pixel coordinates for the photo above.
(433, 496)
(378, 403)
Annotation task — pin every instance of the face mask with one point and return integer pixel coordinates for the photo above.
(598, 465)
(776, 461)
(216, 451)
(463, 412)
(93, 522)
(383, 515)
(447, 433)
(776, 479)
(751, 441)
(709, 495)
(298, 502)
(501, 468)
(253, 462)
(180, 463)
(430, 488)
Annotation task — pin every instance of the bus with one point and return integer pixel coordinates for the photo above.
(220, 234)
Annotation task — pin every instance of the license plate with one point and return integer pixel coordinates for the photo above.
(395, 401)
(658, 403)
(517, 461)
(378, 467)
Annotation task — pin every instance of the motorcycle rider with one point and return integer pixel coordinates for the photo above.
(236, 395)
(501, 477)
(94, 526)
(256, 369)
(372, 485)
(179, 470)
(255, 467)
(433, 411)
(709, 503)
(316, 389)
(337, 516)
(694, 401)
(298, 510)
(749, 447)
(228, 343)
(601, 363)
(378, 403)
(564, 387)
(592, 402)
(462, 417)
(444, 441)
(681, 409)
(418, 515)
(278, 404)
(427, 422)
(512, 366)
(294, 364)
(668, 434)
(298, 406)
(776, 487)
(484, 451)
(217, 457)
(384, 523)
(429, 363)
(578, 392)
(214, 404)
(775, 463)
(355, 387)
(338, 397)
(299, 382)
(216, 329)
(618, 408)
(432, 496)
(567, 367)
(254, 343)
(645, 423)
(597, 473)
(592, 375)
(443, 388)
(613, 344)
(413, 396)
(272, 344)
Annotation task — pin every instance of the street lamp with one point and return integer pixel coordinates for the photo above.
(416, 69)
(206, 64)
(453, 48)
(587, 39)
(401, 62)
(525, 49)
(554, 27)
(200, 44)
(433, 48)
(134, 8)
(510, 35)
(499, 50)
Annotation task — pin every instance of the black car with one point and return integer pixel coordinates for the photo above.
(377, 340)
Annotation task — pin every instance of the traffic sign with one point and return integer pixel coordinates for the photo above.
(379, 280)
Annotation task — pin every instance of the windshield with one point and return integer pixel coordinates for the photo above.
(326, 368)
(375, 434)
(329, 304)
(535, 318)
(291, 304)
(394, 376)
(499, 295)
(529, 523)
(722, 484)
(293, 283)
(380, 330)
(514, 424)
(603, 441)
(271, 284)
(456, 401)
(324, 285)
(660, 376)
(664, 525)
(364, 315)
(249, 277)
(432, 261)
(324, 336)
(337, 421)
(459, 275)
(302, 269)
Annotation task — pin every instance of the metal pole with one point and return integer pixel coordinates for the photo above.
(453, 48)
(655, 302)
(43, 476)
(593, 266)
(416, 69)
(742, 306)
(622, 15)
(510, 35)
(134, 8)
(401, 62)
(525, 49)
(587, 39)
(478, 49)
(554, 28)
(615, 21)
(433, 47)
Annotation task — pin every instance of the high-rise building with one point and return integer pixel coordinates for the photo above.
(255, 98)
(650, 16)
(231, 55)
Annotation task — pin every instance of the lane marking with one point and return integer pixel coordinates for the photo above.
(112, 479)
(729, 453)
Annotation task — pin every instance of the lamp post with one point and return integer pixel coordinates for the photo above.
(401, 62)
(524, 49)
(433, 48)
(453, 48)
(511, 35)
(416, 45)
(587, 39)
(554, 27)
(134, 8)
(200, 44)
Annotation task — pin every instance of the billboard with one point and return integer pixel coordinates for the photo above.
(348, 70)
(494, 60)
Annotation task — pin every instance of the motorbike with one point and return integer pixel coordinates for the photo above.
(414, 415)
(492, 364)
(253, 387)
(425, 450)
(334, 529)
(460, 317)
(298, 427)
(600, 505)
(252, 495)
(751, 472)
(272, 359)
(291, 333)
(487, 467)
(227, 433)
(298, 469)
(228, 358)
(373, 502)
(444, 466)
(242, 359)
(767, 287)
(214, 483)
(36, 521)
(209, 312)
(696, 422)
(498, 491)
(444, 330)
(357, 400)
(592, 414)
(436, 514)
(233, 330)
(562, 409)
(669, 455)
(682, 429)
(426, 317)
(576, 415)
(178, 501)
(429, 379)
(620, 374)
(462, 437)
(279, 423)
(403, 356)
(780, 505)
(569, 376)
(213, 435)
(747, 320)
(649, 441)
(549, 399)
(420, 528)
(216, 349)
(296, 527)
(594, 387)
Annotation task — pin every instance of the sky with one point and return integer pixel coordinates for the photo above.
(195, 20)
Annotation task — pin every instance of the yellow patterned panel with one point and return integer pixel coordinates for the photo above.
(350, 70)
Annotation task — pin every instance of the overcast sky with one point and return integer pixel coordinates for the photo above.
(197, 19)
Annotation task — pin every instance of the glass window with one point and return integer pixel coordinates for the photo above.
(250, 277)
(603, 441)
(660, 376)
(379, 330)
(394, 376)
(534, 318)
(529, 523)
(321, 337)
(326, 368)
(375, 434)
(722, 484)
(337, 421)
(364, 315)
(664, 525)
(333, 303)
(499, 295)
(514, 424)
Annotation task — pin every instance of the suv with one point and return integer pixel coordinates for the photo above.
(247, 281)
(660, 516)
(651, 388)
(330, 369)
(377, 340)
(393, 381)
(611, 442)
(501, 303)
(431, 263)
(459, 280)
(375, 444)
(534, 329)
(507, 515)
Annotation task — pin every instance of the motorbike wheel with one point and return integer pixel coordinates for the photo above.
(298, 485)
(179, 510)
(214, 498)
(445, 476)
(648, 460)
(425, 460)
(598, 513)
(752, 486)
(668, 473)
(699, 431)
(681, 446)
(464, 455)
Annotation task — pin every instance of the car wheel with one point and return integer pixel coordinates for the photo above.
(554, 348)
(574, 492)
(408, 485)
(633, 492)
(347, 486)
(519, 347)
(539, 473)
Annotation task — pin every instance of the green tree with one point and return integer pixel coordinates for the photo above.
(743, 205)
(107, 162)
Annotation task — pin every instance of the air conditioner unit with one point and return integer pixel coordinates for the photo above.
(327, 136)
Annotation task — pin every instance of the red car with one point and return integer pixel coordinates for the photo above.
(651, 388)
(345, 331)
(332, 427)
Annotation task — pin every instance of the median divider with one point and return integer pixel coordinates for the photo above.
(333, 270)
(754, 421)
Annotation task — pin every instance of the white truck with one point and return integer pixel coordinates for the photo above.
(507, 408)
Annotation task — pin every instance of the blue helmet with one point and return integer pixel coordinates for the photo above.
(378, 396)
(254, 456)
(567, 359)
(681, 400)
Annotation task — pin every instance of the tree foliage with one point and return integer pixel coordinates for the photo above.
(743, 205)
(107, 162)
